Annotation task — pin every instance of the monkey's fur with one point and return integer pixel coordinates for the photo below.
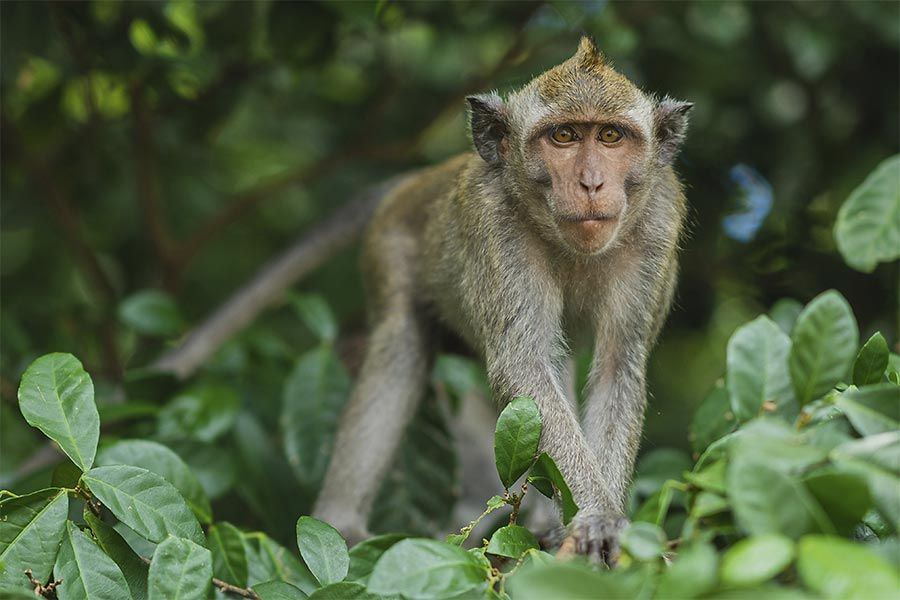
(515, 249)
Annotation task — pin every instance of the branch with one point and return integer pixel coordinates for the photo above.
(306, 254)
(233, 589)
(312, 248)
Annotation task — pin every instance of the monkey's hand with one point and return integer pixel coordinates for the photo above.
(595, 535)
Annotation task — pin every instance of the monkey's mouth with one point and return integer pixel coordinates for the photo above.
(597, 217)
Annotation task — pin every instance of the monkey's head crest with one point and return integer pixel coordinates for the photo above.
(586, 82)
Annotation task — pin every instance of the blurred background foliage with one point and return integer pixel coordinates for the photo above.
(155, 155)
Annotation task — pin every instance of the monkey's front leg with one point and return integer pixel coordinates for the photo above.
(522, 363)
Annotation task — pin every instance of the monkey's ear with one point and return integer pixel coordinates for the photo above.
(670, 122)
(487, 115)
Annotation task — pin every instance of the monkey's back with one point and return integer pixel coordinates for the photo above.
(393, 260)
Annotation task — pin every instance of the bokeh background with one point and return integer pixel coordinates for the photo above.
(155, 155)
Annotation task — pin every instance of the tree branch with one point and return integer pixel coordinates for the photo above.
(308, 252)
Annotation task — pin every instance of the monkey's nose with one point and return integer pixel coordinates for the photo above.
(591, 184)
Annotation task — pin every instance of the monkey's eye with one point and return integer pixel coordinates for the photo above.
(610, 134)
(563, 134)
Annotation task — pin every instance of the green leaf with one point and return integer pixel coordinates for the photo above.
(844, 496)
(711, 477)
(872, 409)
(86, 572)
(180, 570)
(516, 439)
(512, 541)
(708, 503)
(152, 313)
(31, 529)
(57, 396)
(278, 590)
(881, 450)
(756, 559)
(204, 413)
(226, 543)
(757, 369)
(825, 339)
(568, 581)
(314, 393)
(132, 567)
(838, 568)
(712, 420)
(871, 361)
(364, 555)
(165, 463)
(323, 549)
(421, 569)
(644, 541)
(344, 591)
(692, 573)
(867, 230)
(765, 500)
(268, 560)
(144, 501)
(784, 313)
(883, 486)
(779, 446)
(316, 315)
(545, 476)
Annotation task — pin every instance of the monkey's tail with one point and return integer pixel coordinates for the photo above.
(308, 252)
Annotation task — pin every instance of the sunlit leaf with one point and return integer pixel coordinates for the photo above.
(87, 572)
(757, 370)
(161, 460)
(516, 439)
(867, 230)
(756, 559)
(421, 568)
(871, 361)
(512, 541)
(180, 569)
(323, 549)
(825, 340)
(57, 396)
(226, 543)
(31, 528)
(145, 502)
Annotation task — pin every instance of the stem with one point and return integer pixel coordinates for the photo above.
(233, 589)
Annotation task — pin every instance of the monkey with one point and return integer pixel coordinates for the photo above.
(565, 219)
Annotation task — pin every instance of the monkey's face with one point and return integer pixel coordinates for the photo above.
(579, 146)
(584, 169)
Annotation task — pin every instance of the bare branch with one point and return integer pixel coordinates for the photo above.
(308, 252)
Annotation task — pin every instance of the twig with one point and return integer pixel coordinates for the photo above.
(223, 585)
(307, 253)
(233, 589)
(48, 590)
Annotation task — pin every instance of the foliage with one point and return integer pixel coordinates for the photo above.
(156, 154)
(766, 505)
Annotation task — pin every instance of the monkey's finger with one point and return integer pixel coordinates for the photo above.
(596, 554)
(566, 549)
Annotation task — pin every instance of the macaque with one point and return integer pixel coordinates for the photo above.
(565, 222)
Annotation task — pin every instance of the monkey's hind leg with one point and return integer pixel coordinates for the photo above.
(390, 385)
